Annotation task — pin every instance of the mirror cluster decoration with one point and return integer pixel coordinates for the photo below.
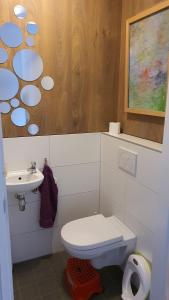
(9, 84)
(30, 41)
(20, 11)
(5, 107)
(33, 129)
(27, 66)
(15, 102)
(20, 116)
(3, 56)
(30, 95)
(47, 83)
(32, 28)
(11, 35)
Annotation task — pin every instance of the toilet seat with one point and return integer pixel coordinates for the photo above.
(136, 264)
(90, 233)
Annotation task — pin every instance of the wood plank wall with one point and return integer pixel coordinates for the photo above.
(79, 41)
(142, 126)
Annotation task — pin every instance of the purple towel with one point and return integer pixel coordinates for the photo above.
(49, 198)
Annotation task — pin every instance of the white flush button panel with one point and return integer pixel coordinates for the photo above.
(127, 161)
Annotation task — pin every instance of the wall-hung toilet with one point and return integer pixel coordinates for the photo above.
(136, 266)
(104, 241)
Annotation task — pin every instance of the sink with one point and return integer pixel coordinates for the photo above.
(23, 181)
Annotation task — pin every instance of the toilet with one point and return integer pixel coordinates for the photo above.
(105, 241)
(138, 266)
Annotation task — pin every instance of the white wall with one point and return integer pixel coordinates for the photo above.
(6, 282)
(75, 161)
(160, 279)
(135, 200)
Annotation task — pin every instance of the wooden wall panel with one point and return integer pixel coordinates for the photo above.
(79, 41)
(142, 126)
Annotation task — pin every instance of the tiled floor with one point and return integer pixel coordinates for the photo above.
(42, 279)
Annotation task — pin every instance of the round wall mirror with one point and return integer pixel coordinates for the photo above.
(20, 116)
(30, 41)
(32, 27)
(11, 35)
(14, 102)
(9, 84)
(33, 129)
(28, 65)
(30, 95)
(5, 107)
(47, 83)
(20, 11)
(3, 56)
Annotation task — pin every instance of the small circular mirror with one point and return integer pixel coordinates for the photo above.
(9, 84)
(33, 129)
(30, 95)
(5, 107)
(11, 35)
(32, 27)
(20, 11)
(3, 56)
(20, 116)
(15, 102)
(28, 65)
(30, 41)
(47, 83)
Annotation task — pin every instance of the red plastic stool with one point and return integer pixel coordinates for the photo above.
(82, 279)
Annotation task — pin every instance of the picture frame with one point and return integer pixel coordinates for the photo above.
(146, 61)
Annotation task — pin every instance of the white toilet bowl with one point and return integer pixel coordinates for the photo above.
(136, 265)
(104, 241)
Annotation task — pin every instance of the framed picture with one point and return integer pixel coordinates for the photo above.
(147, 52)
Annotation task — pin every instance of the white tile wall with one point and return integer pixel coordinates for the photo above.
(75, 161)
(74, 149)
(145, 237)
(151, 176)
(112, 189)
(19, 152)
(142, 203)
(77, 178)
(106, 191)
(146, 158)
(57, 245)
(134, 199)
(76, 206)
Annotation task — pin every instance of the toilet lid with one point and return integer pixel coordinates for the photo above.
(91, 232)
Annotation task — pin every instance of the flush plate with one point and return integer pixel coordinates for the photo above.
(127, 161)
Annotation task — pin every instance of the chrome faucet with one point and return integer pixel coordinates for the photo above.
(32, 169)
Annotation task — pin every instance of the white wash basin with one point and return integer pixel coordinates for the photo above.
(23, 181)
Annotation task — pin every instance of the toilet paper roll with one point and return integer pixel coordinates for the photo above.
(114, 128)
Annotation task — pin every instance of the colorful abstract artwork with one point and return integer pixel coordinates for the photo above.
(148, 62)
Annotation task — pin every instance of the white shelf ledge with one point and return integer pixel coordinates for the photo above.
(137, 141)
